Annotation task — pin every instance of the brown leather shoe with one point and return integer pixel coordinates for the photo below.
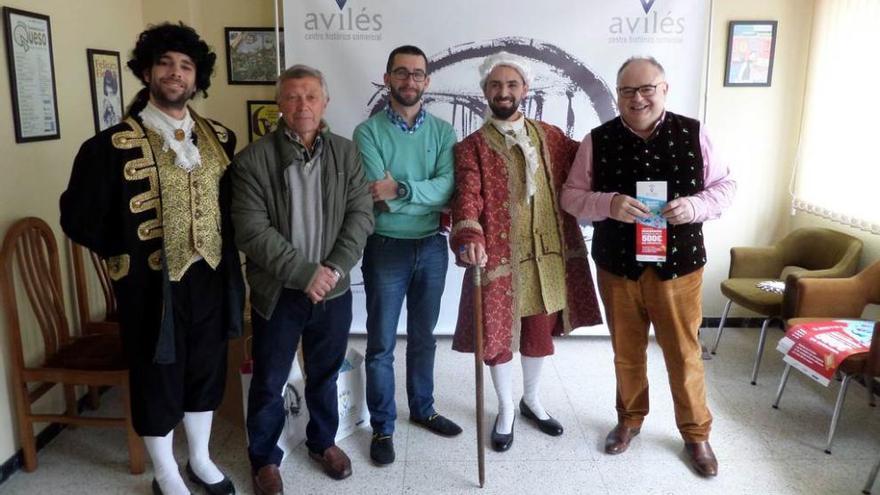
(336, 464)
(702, 458)
(267, 481)
(618, 439)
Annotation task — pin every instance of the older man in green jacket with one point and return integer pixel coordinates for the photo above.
(302, 212)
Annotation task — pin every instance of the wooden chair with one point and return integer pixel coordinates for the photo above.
(30, 256)
(108, 324)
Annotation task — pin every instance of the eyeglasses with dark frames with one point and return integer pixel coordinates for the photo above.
(402, 74)
(644, 90)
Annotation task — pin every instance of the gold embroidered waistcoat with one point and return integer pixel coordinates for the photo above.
(190, 206)
(539, 246)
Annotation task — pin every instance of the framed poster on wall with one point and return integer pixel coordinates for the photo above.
(251, 55)
(263, 118)
(751, 47)
(31, 75)
(105, 78)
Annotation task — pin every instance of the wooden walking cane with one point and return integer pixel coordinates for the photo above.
(478, 371)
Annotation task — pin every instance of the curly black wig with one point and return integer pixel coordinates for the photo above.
(166, 37)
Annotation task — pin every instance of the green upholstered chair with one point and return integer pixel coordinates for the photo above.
(808, 252)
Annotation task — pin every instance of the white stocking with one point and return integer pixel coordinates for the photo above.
(198, 434)
(531, 382)
(164, 466)
(502, 378)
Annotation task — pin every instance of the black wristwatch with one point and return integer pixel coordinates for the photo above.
(402, 190)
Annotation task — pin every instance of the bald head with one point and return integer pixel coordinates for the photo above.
(643, 59)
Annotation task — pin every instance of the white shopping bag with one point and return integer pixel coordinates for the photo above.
(296, 415)
(352, 395)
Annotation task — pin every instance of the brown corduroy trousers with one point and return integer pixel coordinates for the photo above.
(674, 307)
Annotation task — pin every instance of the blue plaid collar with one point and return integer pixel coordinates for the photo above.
(401, 123)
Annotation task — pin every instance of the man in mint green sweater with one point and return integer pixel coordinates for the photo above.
(407, 154)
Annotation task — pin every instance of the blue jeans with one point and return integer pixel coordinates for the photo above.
(394, 269)
(324, 329)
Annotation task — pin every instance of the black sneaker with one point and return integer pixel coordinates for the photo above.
(382, 449)
(440, 425)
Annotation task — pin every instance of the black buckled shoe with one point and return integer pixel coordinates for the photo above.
(222, 487)
(502, 443)
(438, 424)
(549, 426)
(382, 449)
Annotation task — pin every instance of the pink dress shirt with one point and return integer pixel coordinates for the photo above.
(579, 199)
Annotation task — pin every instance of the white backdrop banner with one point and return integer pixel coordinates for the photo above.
(575, 49)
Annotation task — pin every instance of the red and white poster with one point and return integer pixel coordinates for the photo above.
(817, 348)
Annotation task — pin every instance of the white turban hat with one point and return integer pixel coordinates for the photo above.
(518, 63)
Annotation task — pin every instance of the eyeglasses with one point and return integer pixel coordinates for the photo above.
(402, 74)
(645, 90)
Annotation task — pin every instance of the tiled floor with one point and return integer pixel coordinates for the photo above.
(760, 450)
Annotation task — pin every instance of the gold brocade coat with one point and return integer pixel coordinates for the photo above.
(113, 206)
(484, 212)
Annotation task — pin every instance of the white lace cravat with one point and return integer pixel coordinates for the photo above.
(515, 134)
(186, 153)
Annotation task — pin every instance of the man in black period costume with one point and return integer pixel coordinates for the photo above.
(151, 196)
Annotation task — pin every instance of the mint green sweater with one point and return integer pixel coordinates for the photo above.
(422, 160)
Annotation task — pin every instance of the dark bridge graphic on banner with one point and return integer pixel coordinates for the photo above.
(564, 90)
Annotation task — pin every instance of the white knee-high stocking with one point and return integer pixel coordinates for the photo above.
(502, 379)
(164, 466)
(198, 435)
(531, 383)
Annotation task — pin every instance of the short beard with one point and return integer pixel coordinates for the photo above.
(504, 113)
(159, 97)
(407, 102)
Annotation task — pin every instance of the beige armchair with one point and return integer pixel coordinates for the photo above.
(808, 252)
(840, 298)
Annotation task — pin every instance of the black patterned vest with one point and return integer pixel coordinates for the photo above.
(620, 158)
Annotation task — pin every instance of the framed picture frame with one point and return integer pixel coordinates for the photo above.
(751, 48)
(250, 55)
(105, 81)
(262, 118)
(31, 75)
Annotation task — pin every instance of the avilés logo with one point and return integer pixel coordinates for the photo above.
(348, 24)
(653, 27)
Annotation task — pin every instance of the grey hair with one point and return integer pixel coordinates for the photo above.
(640, 58)
(301, 71)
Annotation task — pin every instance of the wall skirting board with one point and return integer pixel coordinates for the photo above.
(48, 434)
(711, 322)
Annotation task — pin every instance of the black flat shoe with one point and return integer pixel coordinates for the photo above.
(438, 424)
(222, 487)
(549, 426)
(502, 443)
(382, 449)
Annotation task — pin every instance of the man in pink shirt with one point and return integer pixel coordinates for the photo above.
(648, 143)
